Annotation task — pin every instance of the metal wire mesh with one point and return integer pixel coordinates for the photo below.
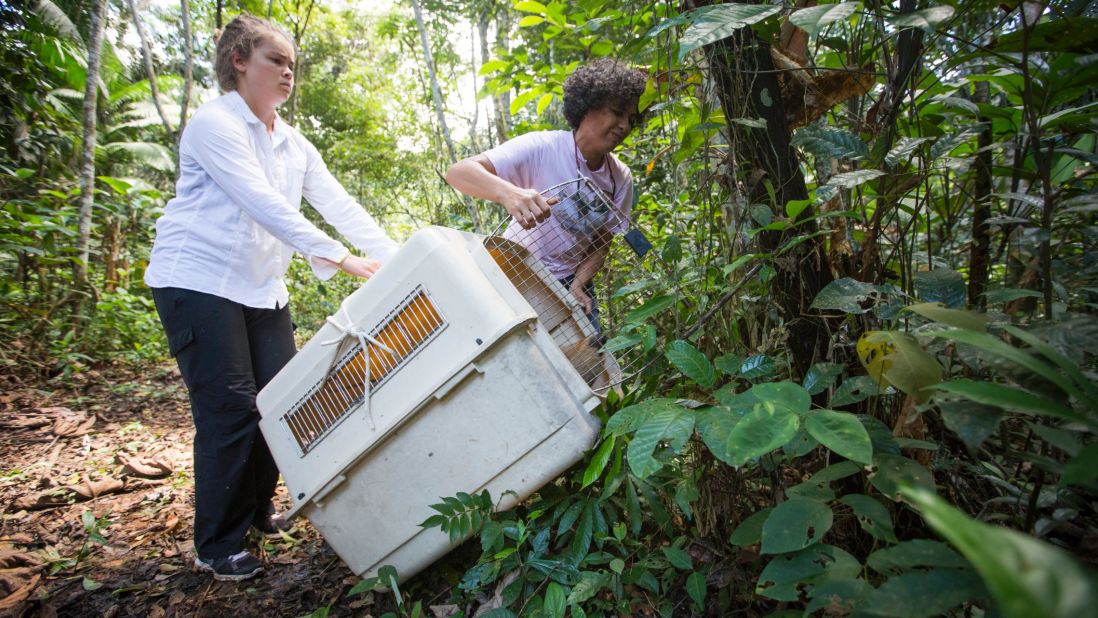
(541, 262)
(405, 330)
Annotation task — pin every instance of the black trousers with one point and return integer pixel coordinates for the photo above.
(226, 353)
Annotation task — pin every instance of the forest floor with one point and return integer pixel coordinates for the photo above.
(98, 499)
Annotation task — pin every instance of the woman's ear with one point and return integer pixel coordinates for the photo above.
(240, 64)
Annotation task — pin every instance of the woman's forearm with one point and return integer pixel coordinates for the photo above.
(476, 176)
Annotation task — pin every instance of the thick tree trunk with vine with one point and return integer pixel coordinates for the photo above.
(747, 86)
(87, 158)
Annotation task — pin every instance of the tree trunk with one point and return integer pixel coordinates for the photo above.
(188, 67)
(499, 121)
(300, 26)
(747, 86)
(980, 254)
(150, 71)
(503, 99)
(87, 158)
(436, 95)
(112, 248)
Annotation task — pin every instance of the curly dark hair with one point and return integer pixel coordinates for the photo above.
(600, 83)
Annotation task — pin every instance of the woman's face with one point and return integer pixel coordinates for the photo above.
(268, 74)
(608, 126)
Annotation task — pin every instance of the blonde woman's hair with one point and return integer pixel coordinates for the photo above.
(239, 38)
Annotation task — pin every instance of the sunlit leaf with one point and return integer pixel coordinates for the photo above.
(713, 23)
(692, 363)
(841, 432)
(926, 19)
(814, 19)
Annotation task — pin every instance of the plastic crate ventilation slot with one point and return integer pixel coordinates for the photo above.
(405, 330)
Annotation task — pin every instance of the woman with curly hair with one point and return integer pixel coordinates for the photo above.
(600, 105)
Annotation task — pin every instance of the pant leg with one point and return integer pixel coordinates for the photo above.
(271, 341)
(210, 339)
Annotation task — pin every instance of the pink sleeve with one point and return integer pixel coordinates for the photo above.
(517, 159)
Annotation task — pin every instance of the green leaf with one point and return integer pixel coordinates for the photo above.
(952, 317)
(815, 19)
(821, 377)
(654, 306)
(853, 390)
(971, 421)
(695, 587)
(916, 553)
(749, 532)
(848, 295)
(1027, 577)
(671, 423)
(900, 360)
(1077, 35)
(941, 285)
(783, 576)
(544, 101)
(678, 558)
(90, 584)
(849, 180)
(530, 6)
(794, 525)
(922, 594)
(756, 366)
(589, 584)
(904, 147)
(147, 153)
(598, 462)
(713, 424)
(825, 142)
(1009, 398)
(1083, 468)
(872, 516)
(521, 100)
(530, 20)
(728, 363)
(629, 418)
(713, 23)
(1005, 295)
(841, 432)
(761, 431)
(838, 597)
(926, 19)
(894, 471)
(692, 363)
(554, 601)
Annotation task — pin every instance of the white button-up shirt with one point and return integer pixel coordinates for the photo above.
(236, 220)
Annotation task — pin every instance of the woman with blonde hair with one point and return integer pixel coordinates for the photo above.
(217, 268)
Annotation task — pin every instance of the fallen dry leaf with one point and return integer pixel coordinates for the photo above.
(444, 611)
(69, 424)
(14, 599)
(147, 467)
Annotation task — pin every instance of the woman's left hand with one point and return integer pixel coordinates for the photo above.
(360, 266)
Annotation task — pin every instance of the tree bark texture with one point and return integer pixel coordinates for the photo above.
(747, 86)
(87, 157)
(188, 67)
(980, 252)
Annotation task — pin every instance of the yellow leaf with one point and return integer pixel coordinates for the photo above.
(875, 350)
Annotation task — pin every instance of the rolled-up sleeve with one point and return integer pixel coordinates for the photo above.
(221, 147)
(342, 211)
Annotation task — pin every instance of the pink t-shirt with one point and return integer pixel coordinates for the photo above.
(542, 160)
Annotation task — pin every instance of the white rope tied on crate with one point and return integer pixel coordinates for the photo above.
(349, 330)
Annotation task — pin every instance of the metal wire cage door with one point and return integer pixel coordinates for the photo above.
(542, 263)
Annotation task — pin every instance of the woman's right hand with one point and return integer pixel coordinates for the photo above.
(527, 206)
(359, 266)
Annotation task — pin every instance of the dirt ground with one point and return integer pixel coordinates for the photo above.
(97, 499)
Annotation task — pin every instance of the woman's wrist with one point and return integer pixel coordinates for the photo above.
(344, 260)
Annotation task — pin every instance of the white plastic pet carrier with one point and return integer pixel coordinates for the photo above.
(462, 365)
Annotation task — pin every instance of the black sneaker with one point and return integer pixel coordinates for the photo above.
(273, 524)
(234, 568)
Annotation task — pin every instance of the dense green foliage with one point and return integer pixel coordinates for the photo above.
(862, 383)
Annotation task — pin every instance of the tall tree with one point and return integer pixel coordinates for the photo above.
(188, 70)
(87, 158)
(150, 70)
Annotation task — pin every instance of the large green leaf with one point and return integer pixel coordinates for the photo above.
(914, 554)
(713, 425)
(848, 295)
(841, 432)
(896, 358)
(794, 525)
(820, 377)
(650, 308)
(713, 23)
(971, 421)
(629, 418)
(764, 429)
(1009, 398)
(824, 142)
(941, 285)
(554, 601)
(849, 180)
(894, 471)
(922, 594)
(1066, 34)
(695, 587)
(1027, 577)
(147, 153)
(926, 19)
(589, 584)
(872, 516)
(783, 395)
(814, 19)
(952, 317)
(749, 532)
(1083, 468)
(674, 424)
(692, 363)
(853, 390)
(787, 574)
